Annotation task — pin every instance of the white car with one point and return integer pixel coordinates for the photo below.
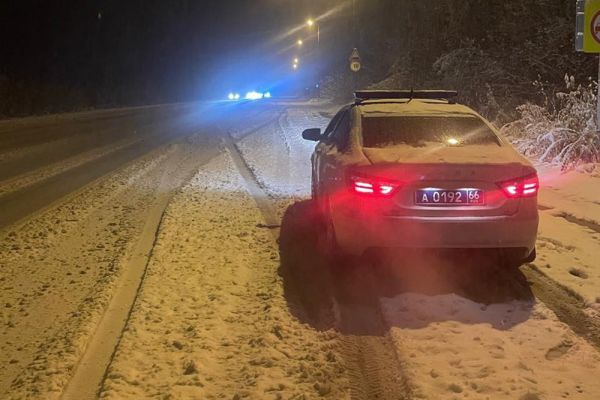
(412, 169)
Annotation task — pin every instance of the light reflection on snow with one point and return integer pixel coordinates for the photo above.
(415, 310)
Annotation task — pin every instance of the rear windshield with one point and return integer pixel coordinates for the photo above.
(419, 131)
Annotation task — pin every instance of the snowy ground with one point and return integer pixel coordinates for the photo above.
(462, 345)
(569, 243)
(232, 306)
(60, 267)
(211, 321)
(461, 348)
(450, 337)
(279, 157)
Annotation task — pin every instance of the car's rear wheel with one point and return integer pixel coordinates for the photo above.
(316, 203)
(511, 259)
(313, 190)
(328, 245)
(531, 257)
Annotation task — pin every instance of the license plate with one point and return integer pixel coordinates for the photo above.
(434, 197)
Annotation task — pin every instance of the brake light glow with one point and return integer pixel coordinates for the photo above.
(527, 186)
(363, 187)
(386, 189)
(372, 186)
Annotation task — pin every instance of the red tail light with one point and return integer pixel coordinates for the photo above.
(527, 186)
(371, 186)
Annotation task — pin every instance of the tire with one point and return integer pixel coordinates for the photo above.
(317, 206)
(510, 260)
(531, 257)
(328, 245)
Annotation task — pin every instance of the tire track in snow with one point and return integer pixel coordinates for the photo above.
(374, 366)
(378, 371)
(90, 373)
(568, 306)
(253, 185)
(584, 223)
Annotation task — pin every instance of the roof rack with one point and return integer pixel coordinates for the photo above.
(364, 95)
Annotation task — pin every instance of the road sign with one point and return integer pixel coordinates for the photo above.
(588, 26)
(587, 39)
(595, 27)
(355, 63)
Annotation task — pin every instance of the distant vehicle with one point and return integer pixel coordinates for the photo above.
(252, 95)
(412, 169)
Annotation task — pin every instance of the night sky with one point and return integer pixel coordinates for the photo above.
(156, 50)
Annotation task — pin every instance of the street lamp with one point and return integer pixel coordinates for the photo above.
(296, 60)
(300, 42)
(311, 22)
(295, 66)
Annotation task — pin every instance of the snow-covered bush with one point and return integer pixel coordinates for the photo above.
(562, 130)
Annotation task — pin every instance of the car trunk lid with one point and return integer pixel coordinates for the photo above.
(447, 169)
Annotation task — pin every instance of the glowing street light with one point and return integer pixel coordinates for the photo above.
(295, 66)
(296, 60)
(311, 22)
(300, 42)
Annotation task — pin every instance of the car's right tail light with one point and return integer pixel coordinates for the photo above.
(527, 186)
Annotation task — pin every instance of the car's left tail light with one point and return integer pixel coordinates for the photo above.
(527, 186)
(371, 186)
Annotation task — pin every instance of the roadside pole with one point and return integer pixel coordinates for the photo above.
(355, 66)
(355, 61)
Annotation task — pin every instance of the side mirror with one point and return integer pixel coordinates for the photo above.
(314, 134)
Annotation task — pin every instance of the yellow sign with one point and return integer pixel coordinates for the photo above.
(591, 32)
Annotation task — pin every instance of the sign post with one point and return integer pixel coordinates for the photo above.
(587, 39)
(355, 63)
(355, 66)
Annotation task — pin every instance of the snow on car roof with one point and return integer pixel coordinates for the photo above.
(414, 107)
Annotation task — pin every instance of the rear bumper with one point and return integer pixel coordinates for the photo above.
(355, 234)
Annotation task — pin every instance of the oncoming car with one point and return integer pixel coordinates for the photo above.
(412, 169)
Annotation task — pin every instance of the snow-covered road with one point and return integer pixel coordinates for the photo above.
(191, 271)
